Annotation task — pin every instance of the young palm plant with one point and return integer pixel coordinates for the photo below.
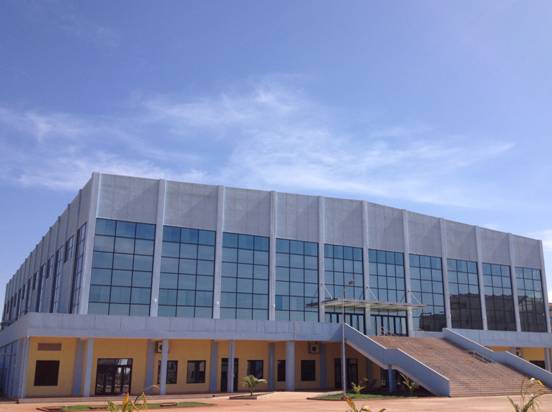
(530, 392)
(128, 405)
(356, 388)
(354, 408)
(410, 385)
(251, 382)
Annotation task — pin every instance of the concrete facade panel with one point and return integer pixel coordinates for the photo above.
(343, 222)
(460, 241)
(126, 198)
(494, 247)
(424, 235)
(296, 217)
(385, 228)
(526, 252)
(191, 205)
(247, 211)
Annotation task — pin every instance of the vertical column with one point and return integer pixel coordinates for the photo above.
(272, 258)
(514, 283)
(321, 254)
(548, 359)
(77, 367)
(88, 367)
(231, 357)
(271, 366)
(218, 251)
(444, 255)
(163, 371)
(406, 239)
(544, 287)
(150, 366)
(391, 384)
(368, 293)
(22, 365)
(290, 365)
(88, 246)
(160, 219)
(480, 277)
(213, 367)
(323, 367)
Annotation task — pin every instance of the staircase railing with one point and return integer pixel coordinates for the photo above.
(506, 358)
(394, 358)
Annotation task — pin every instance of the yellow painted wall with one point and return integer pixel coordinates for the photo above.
(184, 351)
(66, 359)
(533, 354)
(333, 351)
(122, 348)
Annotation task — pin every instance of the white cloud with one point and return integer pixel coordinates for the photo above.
(271, 136)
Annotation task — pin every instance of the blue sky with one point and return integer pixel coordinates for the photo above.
(439, 107)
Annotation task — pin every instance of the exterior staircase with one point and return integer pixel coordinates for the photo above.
(469, 373)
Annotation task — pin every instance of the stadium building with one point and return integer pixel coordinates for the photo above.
(170, 287)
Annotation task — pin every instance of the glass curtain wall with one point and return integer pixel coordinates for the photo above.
(531, 300)
(296, 280)
(187, 273)
(499, 300)
(465, 301)
(122, 268)
(427, 288)
(244, 289)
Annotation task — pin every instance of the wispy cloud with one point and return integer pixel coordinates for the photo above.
(268, 136)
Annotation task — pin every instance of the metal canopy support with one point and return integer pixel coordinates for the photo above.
(367, 304)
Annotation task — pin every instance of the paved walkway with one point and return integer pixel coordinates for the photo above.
(296, 401)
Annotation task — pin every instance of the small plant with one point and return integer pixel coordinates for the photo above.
(530, 392)
(356, 388)
(354, 408)
(410, 385)
(251, 382)
(128, 405)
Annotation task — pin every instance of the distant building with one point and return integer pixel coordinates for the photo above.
(145, 282)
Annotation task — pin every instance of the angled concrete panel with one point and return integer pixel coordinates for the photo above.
(297, 217)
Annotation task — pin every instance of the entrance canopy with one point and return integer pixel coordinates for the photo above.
(340, 303)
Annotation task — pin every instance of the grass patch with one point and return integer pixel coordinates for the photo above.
(338, 396)
(152, 405)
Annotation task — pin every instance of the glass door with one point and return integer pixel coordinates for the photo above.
(113, 376)
(224, 374)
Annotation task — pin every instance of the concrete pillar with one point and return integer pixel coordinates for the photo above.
(548, 359)
(82, 307)
(406, 237)
(218, 251)
(323, 367)
(22, 365)
(544, 288)
(481, 278)
(158, 247)
(290, 365)
(271, 366)
(272, 258)
(77, 368)
(391, 384)
(321, 254)
(163, 372)
(230, 374)
(444, 263)
(213, 382)
(150, 367)
(88, 367)
(514, 281)
(368, 293)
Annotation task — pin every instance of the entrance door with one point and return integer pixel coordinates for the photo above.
(355, 320)
(351, 372)
(224, 374)
(113, 376)
(394, 325)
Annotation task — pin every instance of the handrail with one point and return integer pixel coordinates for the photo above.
(397, 359)
(506, 358)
